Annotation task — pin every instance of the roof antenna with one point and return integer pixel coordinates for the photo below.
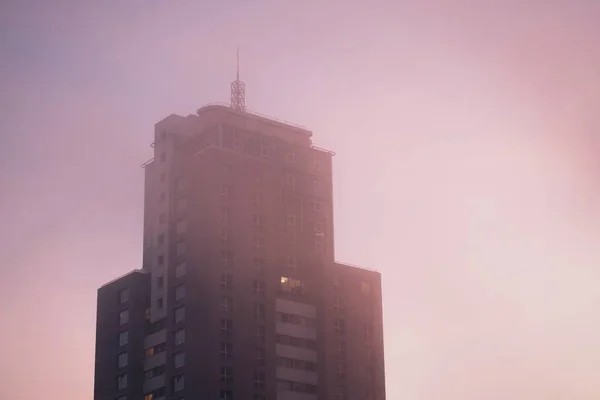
(238, 89)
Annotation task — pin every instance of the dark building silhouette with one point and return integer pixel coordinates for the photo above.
(240, 296)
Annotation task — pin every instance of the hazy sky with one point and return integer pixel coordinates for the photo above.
(467, 171)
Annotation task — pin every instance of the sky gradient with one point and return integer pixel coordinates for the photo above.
(467, 171)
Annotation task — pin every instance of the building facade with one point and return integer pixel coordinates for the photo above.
(240, 296)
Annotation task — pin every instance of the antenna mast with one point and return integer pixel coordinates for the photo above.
(238, 89)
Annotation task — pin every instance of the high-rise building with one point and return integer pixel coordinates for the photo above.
(239, 296)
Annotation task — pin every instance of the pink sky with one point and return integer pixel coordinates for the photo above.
(468, 172)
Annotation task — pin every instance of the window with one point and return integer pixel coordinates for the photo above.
(365, 288)
(256, 202)
(226, 375)
(181, 204)
(260, 357)
(369, 373)
(227, 168)
(179, 337)
(123, 338)
(226, 304)
(179, 360)
(180, 270)
(224, 236)
(160, 302)
(315, 187)
(160, 282)
(160, 260)
(181, 184)
(226, 328)
(181, 227)
(159, 348)
(292, 221)
(179, 314)
(340, 348)
(258, 287)
(259, 333)
(154, 372)
(237, 143)
(161, 239)
(162, 197)
(155, 395)
(291, 285)
(368, 331)
(265, 151)
(259, 244)
(226, 349)
(291, 262)
(296, 342)
(290, 158)
(258, 221)
(226, 257)
(259, 310)
(318, 247)
(259, 265)
(340, 394)
(318, 227)
(181, 248)
(340, 325)
(316, 206)
(123, 358)
(317, 166)
(297, 364)
(289, 386)
(259, 380)
(259, 397)
(226, 281)
(340, 370)
(163, 157)
(125, 398)
(124, 296)
(225, 213)
(122, 381)
(161, 218)
(290, 180)
(162, 176)
(178, 383)
(179, 292)
(226, 394)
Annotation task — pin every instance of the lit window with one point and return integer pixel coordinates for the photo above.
(179, 314)
(226, 375)
(124, 296)
(123, 338)
(290, 158)
(179, 360)
(122, 381)
(291, 285)
(178, 383)
(259, 310)
(179, 292)
(123, 317)
(179, 337)
(123, 360)
(181, 227)
(180, 270)
(226, 304)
